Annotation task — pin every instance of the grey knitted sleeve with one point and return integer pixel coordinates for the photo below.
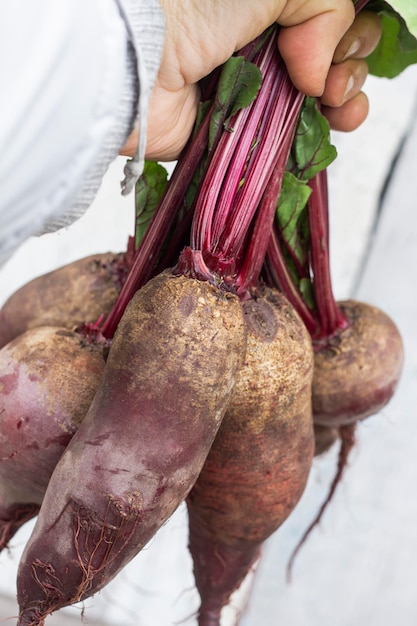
(145, 27)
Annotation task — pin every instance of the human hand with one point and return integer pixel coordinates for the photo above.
(322, 48)
(345, 105)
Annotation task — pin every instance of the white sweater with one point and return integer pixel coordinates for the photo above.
(75, 75)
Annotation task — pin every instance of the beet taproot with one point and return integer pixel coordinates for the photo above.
(48, 378)
(75, 293)
(259, 463)
(166, 385)
(357, 370)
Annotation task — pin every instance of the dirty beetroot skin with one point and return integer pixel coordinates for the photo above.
(259, 463)
(48, 378)
(357, 371)
(166, 385)
(79, 292)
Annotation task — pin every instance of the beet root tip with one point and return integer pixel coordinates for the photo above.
(39, 592)
(30, 618)
(209, 617)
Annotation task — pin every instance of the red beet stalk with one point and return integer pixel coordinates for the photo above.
(279, 275)
(162, 221)
(235, 211)
(146, 261)
(330, 317)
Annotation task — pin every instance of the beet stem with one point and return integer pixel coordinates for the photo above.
(244, 154)
(245, 126)
(152, 243)
(273, 141)
(159, 226)
(280, 276)
(258, 245)
(329, 314)
(234, 216)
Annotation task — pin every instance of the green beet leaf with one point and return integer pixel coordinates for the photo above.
(306, 289)
(148, 192)
(312, 150)
(292, 215)
(397, 48)
(238, 86)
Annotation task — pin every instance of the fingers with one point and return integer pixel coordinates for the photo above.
(344, 82)
(310, 38)
(348, 116)
(348, 73)
(360, 39)
(346, 107)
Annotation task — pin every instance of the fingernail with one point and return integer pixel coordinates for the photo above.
(353, 49)
(349, 86)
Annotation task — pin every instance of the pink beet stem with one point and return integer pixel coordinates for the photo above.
(329, 314)
(159, 226)
(225, 170)
(237, 201)
(258, 244)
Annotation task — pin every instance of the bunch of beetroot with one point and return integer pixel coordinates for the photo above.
(207, 364)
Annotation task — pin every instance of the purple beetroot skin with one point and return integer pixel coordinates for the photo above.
(67, 297)
(48, 377)
(167, 382)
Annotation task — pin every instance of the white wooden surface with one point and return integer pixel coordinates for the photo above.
(358, 566)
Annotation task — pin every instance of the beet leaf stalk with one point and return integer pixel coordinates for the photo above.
(236, 202)
(298, 252)
(330, 317)
(278, 274)
(157, 230)
(228, 91)
(297, 259)
(360, 4)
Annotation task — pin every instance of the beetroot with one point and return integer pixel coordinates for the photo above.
(48, 377)
(167, 381)
(358, 348)
(79, 292)
(258, 465)
(357, 370)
